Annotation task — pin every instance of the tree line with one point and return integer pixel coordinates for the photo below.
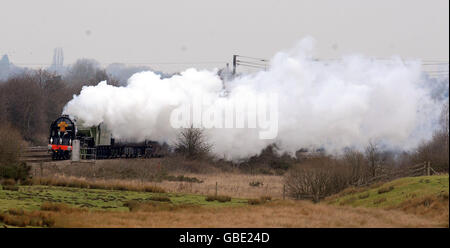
(30, 101)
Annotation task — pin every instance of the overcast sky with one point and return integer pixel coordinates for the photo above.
(166, 31)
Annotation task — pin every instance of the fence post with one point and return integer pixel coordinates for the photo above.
(428, 168)
(216, 188)
(284, 191)
(41, 167)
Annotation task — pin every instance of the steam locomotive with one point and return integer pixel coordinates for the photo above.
(96, 142)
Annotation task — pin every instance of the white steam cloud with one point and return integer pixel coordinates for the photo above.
(332, 105)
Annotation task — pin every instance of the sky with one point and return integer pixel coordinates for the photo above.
(173, 35)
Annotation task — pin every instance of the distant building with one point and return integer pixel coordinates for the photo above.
(58, 61)
(4, 67)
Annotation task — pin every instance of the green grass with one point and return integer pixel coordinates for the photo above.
(31, 198)
(403, 189)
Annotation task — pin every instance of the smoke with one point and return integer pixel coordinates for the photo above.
(332, 105)
(122, 72)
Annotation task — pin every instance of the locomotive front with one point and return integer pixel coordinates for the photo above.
(62, 133)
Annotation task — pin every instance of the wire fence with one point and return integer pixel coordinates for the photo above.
(420, 169)
(87, 153)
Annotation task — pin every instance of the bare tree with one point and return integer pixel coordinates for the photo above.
(87, 72)
(436, 150)
(373, 158)
(11, 146)
(445, 119)
(191, 142)
(357, 166)
(25, 105)
(317, 179)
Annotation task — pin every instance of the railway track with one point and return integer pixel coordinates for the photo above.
(36, 154)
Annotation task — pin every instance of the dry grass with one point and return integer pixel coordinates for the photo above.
(131, 185)
(435, 207)
(272, 214)
(22, 218)
(43, 218)
(181, 178)
(56, 207)
(232, 184)
(136, 206)
(262, 211)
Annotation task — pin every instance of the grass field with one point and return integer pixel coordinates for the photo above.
(234, 184)
(397, 192)
(32, 197)
(406, 202)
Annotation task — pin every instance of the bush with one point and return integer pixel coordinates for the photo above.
(18, 172)
(279, 164)
(55, 207)
(11, 146)
(385, 189)
(132, 205)
(181, 178)
(364, 196)
(14, 211)
(321, 179)
(266, 198)
(264, 171)
(378, 201)
(10, 187)
(150, 206)
(219, 198)
(261, 200)
(348, 201)
(192, 144)
(152, 189)
(256, 183)
(8, 181)
(159, 198)
(22, 218)
(254, 201)
(443, 195)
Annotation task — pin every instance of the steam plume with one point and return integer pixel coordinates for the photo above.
(332, 105)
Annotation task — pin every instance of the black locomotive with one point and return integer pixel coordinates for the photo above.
(96, 142)
(62, 133)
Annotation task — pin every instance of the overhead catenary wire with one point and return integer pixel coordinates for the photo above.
(436, 68)
(433, 67)
(248, 57)
(139, 63)
(259, 67)
(252, 63)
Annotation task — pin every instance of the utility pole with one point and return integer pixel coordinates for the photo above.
(234, 64)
